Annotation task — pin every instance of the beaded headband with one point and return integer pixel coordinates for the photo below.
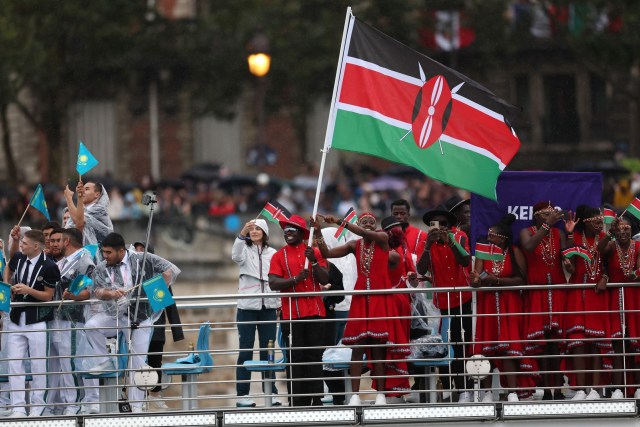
(369, 214)
(502, 236)
(546, 209)
(594, 218)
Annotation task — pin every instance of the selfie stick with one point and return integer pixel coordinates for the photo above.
(149, 201)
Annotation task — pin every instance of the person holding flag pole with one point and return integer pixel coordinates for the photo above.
(499, 326)
(90, 214)
(622, 259)
(117, 281)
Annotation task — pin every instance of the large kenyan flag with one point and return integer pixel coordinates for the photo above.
(395, 103)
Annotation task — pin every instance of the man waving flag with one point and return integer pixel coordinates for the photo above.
(395, 103)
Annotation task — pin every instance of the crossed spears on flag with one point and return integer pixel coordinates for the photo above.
(436, 94)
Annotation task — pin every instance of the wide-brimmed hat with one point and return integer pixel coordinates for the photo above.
(298, 222)
(440, 210)
(454, 202)
(390, 222)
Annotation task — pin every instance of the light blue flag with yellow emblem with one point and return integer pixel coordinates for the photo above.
(86, 160)
(79, 283)
(157, 293)
(38, 202)
(5, 297)
(92, 249)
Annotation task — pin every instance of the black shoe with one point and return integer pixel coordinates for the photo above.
(557, 395)
(547, 395)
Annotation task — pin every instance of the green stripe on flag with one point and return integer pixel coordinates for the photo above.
(265, 213)
(489, 256)
(368, 135)
(633, 210)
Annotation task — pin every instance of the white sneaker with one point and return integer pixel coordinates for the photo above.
(15, 414)
(636, 395)
(327, 399)
(380, 399)
(137, 409)
(105, 366)
(413, 397)
(512, 397)
(593, 395)
(465, 397)
(580, 395)
(276, 402)
(245, 402)
(617, 394)
(90, 408)
(487, 397)
(355, 400)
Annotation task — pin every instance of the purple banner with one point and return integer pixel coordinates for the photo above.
(519, 191)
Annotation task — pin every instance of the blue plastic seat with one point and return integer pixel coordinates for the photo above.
(431, 364)
(269, 368)
(189, 367)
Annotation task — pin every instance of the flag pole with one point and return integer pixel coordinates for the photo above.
(25, 212)
(330, 123)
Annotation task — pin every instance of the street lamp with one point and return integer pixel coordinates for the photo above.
(259, 59)
(259, 62)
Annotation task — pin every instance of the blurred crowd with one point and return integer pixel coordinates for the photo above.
(212, 192)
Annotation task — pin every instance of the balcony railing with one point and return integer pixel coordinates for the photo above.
(215, 398)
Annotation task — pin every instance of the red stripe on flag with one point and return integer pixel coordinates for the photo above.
(388, 96)
(481, 130)
(483, 247)
(393, 98)
(636, 203)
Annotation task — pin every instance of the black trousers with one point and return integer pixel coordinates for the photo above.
(460, 318)
(305, 370)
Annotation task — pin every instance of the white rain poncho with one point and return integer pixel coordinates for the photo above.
(97, 224)
(105, 277)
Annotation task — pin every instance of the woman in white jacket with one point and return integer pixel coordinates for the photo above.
(253, 254)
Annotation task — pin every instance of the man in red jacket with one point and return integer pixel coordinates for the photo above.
(288, 273)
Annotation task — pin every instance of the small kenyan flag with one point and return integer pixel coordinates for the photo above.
(634, 208)
(489, 252)
(275, 212)
(608, 215)
(577, 251)
(351, 217)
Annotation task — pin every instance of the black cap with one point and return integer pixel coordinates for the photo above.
(390, 222)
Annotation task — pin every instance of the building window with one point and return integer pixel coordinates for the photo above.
(560, 122)
(598, 125)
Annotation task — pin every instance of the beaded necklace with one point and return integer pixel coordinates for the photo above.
(547, 249)
(498, 266)
(627, 258)
(366, 256)
(593, 267)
